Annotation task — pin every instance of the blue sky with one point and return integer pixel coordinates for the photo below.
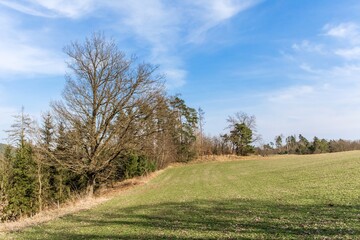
(295, 65)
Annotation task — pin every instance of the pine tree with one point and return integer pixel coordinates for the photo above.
(241, 137)
(63, 176)
(22, 194)
(5, 172)
(185, 125)
(46, 168)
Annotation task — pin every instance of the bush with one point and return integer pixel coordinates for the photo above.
(137, 165)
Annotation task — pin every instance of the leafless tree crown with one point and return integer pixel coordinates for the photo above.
(106, 97)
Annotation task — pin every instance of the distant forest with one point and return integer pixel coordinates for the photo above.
(116, 121)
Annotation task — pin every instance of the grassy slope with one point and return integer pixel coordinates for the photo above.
(292, 197)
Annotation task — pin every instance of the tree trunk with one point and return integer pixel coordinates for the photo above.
(91, 186)
(60, 197)
(40, 188)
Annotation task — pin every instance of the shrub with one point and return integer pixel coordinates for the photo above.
(137, 165)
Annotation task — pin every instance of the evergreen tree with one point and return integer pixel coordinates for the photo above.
(47, 171)
(241, 138)
(22, 193)
(23, 188)
(185, 125)
(278, 143)
(303, 145)
(242, 133)
(62, 180)
(5, 173)
(291, 144)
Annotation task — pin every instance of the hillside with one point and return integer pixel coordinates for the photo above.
(279, 197)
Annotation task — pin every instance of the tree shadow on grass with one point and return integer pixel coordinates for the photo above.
(203, 219)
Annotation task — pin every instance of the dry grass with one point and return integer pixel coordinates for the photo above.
(230, 157)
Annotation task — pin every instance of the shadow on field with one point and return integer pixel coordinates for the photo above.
(230, 219)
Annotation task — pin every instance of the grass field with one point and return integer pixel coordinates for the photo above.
(280, 197)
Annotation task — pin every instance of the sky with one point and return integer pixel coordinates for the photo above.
(295, 65)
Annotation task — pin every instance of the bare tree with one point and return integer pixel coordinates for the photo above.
(22, 130)
(201, 121)
(103, 107)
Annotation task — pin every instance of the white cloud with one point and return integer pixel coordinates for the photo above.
(329, 111)
(291, 93)
(177, 76)
(18, 58)
(344, 74)
(167, 28)
(157, 25)
(68, 8)
(207, 14)
(340, 64)
(21, 56)
(349, 31)
(53, 8)
(324, 97)
(24, 8)
(217, 11)
(307, 68)
(349, 53)
(307, 46)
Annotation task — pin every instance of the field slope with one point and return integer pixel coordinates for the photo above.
(280, 197)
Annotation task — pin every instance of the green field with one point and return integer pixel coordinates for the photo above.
(279, 197)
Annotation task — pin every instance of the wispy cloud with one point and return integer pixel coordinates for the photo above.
(307, 46)
(21, 55)
(156, 26)
(167, 28)
(324, 97)
(51, 9)
(207, 14)
(349, 31)
(162, 27)
(291, 93)
(25, 9)
(349, 53)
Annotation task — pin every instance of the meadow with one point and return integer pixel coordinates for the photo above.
(277, 197)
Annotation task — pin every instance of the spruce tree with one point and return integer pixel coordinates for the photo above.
(47, 170)
(23, 187)
(5, 172)
(22, 194)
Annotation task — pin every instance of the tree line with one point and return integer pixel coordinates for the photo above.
(298, 144)
(242, 139)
